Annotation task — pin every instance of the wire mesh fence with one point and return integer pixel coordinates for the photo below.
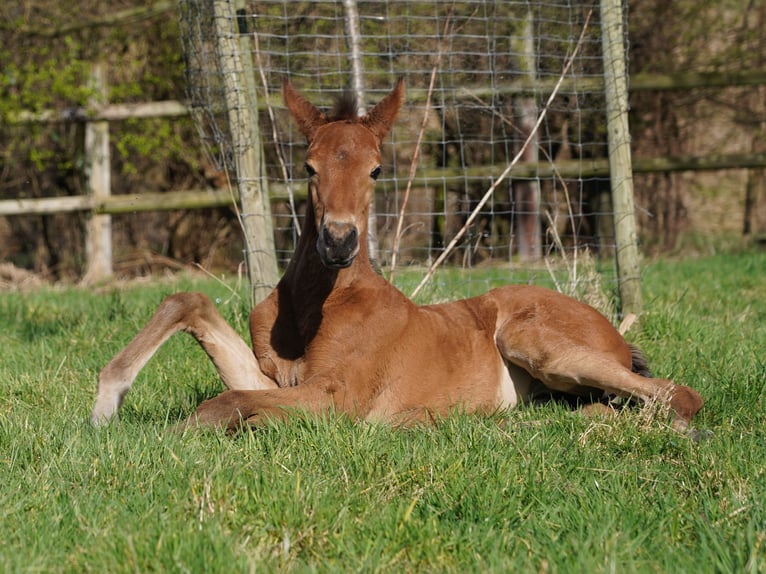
(479, 74)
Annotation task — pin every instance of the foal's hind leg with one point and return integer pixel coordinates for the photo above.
(195, 314)
(568, 366)
(594, 370)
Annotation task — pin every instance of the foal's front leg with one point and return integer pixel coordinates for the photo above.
(195, 314)
(235, 409)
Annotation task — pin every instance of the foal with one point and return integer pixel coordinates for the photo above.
(335, 335)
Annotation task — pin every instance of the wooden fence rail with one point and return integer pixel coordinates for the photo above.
(99, 203)
(207, 198)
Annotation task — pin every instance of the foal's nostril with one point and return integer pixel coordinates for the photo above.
(351, 238)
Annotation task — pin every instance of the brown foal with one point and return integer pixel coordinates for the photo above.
(336, 336)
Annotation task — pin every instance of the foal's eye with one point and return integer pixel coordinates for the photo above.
(375, 173)
(310, 170)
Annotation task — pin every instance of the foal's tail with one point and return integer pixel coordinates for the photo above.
(639, 364)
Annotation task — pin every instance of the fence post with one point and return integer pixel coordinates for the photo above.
(98, 229)
(526, 194)
(354, 41)
(241, 101)
(620, 163)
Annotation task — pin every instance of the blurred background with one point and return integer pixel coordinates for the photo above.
(478, 74)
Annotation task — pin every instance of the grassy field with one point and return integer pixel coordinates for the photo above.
(532, 490)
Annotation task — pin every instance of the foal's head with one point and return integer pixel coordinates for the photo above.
(342, 162)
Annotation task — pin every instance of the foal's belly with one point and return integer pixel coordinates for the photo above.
(472, 381)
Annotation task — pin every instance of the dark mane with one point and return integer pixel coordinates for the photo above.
(345, 107)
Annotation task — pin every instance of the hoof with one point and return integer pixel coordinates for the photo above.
(699, 435)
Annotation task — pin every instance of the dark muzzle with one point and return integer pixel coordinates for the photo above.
(338, 244)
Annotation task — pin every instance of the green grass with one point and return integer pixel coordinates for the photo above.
(532, 490)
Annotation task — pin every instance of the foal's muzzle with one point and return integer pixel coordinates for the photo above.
(338, 244)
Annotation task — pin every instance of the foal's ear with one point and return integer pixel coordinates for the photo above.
(306, 114)
(381, 118)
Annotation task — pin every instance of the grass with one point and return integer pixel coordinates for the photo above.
(531, 490)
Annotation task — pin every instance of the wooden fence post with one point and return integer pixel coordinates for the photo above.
(354, 42)
(246, 147)
(526, 194)
(620, 163)
(98, 240)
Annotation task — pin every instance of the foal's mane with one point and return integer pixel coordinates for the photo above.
(345, 108)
